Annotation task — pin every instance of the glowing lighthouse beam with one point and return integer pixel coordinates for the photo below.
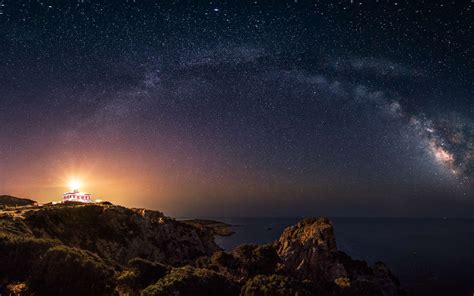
(74, 185)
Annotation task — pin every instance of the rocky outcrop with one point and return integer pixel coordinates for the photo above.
(105, 249)
(307, 248)
(308, 251)
(117, 233)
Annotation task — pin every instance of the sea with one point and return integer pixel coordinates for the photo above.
(430, 256)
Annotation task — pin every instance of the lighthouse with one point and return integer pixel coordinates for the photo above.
(75, 195)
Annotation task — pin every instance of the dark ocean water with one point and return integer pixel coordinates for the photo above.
(429, 256)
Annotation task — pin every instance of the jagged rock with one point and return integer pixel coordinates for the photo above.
(308, 251)
(95, 242)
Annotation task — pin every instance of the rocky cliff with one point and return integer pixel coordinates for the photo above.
(121, 234)
(308, 252)
(103, 249)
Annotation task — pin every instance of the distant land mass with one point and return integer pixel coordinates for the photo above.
(105, 249)
(217, 228)
(8, 200)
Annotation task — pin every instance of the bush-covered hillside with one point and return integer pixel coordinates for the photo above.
(103, 249)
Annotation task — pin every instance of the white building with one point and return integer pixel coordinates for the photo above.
(77, 196)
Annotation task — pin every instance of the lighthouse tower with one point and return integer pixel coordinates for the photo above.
(75, 195)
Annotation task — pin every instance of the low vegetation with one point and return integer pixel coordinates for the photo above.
(102, 249)
(70, 271)
(273, 285)
(141, 273)
(192, 281)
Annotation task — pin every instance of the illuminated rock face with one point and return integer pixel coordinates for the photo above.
(308, 251)
(77, 196)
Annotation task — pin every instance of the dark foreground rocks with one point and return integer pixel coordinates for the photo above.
(102, 249)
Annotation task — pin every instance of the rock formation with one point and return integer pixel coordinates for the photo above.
(308, 252)
(103, 249)
(117, 233)
(307, 249)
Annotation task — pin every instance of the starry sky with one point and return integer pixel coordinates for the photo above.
(241, 108)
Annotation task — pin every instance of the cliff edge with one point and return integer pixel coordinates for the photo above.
(104, 249)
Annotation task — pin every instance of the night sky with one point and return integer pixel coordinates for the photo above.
(241, 108)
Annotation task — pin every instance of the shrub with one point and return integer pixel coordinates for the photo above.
(273, 285)
(142, 273)
(221, 258)
(192, 281)
(70, 271)
(254, 259)
(18, 255)
(243, 262)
